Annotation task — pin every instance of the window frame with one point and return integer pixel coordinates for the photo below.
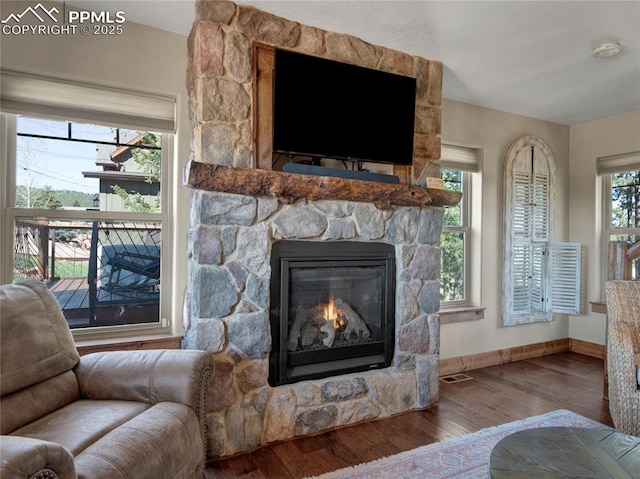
(467, 159)
(529, 176)
(10, 213)
(607, 219)
(465, 229)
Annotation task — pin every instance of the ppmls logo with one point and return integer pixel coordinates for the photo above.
(17, 18)
(36, 20)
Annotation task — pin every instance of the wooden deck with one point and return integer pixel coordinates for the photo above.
(71, 293)
(73, 296)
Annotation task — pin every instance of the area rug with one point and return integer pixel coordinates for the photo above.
(465, 457)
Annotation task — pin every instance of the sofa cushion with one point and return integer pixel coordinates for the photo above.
(111, 439)
(165, 438)
(46, 347)
(33, 402)
(81, 423)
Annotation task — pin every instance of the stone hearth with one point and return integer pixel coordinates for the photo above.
(230, 240)
(229, 315)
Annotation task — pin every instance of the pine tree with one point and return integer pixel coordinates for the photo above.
(46, 198)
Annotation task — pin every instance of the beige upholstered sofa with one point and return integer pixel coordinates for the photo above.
(123, 414)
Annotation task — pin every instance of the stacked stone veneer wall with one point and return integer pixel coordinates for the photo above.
(219, 79)
(228, 300)
(230, 239)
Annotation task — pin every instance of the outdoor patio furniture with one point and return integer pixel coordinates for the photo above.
(124, 267)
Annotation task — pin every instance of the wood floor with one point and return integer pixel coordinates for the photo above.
(494, 396)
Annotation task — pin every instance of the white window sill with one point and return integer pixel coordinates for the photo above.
(460, 314)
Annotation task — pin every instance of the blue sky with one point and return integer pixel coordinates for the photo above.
(58, 163)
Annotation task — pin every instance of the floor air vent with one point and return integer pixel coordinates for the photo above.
(455, 378)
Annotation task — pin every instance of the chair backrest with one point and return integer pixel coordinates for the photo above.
(35, 340)
(623, 347)
(623, 305)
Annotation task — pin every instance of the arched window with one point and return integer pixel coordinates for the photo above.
(539, 277)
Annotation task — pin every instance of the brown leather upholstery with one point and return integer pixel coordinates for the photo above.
(125, 414)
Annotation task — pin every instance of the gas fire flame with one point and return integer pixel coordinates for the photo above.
(331, 313)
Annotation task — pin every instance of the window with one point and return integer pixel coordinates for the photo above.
(454, 241)
(539, 277)
(459, 169)
(86, 197)
(621, 181)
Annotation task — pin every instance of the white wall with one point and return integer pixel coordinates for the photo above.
(494, 131)
(142, 59)
(589, 141)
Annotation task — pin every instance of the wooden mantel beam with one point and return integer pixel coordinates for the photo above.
(289, 187)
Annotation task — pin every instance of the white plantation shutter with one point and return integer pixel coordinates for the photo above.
(564, 263)
(539, 201)
(531, 205)
(528, 278)
(521, 205)
(540, 207)
(521, 278)
(537, 278)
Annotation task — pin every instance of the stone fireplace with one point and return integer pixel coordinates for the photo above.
(236, 242)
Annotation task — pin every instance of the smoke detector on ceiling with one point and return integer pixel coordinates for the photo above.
(607, 49)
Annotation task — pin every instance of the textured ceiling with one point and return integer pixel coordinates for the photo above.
(532, 58)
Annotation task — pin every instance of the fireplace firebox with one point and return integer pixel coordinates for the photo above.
(332, 309)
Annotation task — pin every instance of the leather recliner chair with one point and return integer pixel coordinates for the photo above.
(121, 414)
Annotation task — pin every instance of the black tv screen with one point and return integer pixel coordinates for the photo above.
(328, 109)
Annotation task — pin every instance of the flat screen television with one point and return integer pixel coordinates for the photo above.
(328, 109)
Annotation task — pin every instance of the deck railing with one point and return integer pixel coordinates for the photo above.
(96, 270)
(624, 261)
(46, 251)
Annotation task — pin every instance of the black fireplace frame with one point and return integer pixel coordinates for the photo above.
(284, 367)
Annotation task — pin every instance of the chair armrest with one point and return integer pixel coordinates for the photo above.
(150, 376)
(25, 457)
